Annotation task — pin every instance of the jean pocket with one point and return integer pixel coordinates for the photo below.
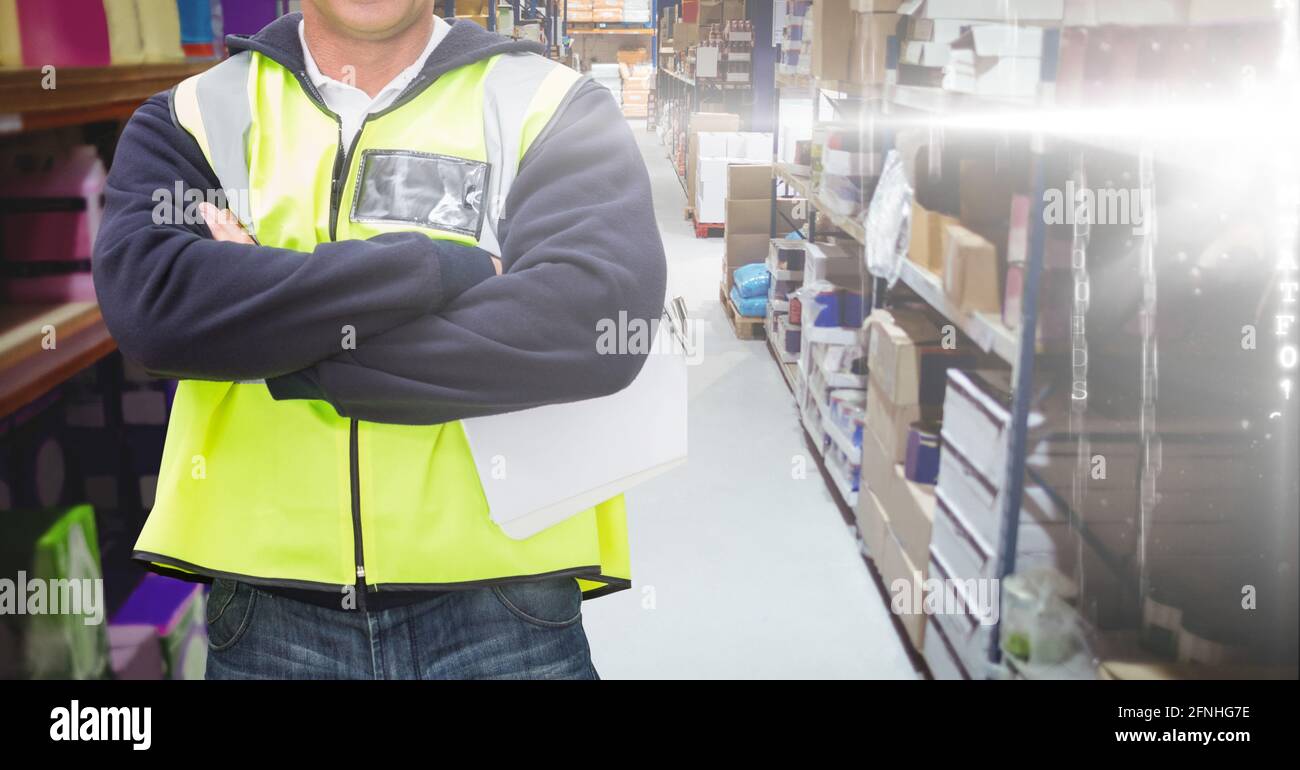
(551, 603)
(229, 612)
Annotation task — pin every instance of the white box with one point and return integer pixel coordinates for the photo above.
(711, 190)
(706, 61)
(712, 144)
(758, 147)
(737, 145)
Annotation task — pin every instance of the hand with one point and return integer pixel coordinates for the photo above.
(496, 263)
(224, 225)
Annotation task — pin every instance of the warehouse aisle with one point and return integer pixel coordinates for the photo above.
(741, 570)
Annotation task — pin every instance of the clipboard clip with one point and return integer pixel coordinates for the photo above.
(675, 313)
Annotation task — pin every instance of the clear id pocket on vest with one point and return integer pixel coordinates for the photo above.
(423, 189)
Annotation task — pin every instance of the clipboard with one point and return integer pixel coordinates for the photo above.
(541, 466)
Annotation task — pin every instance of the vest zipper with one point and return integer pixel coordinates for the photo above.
(338, 180)
(342, 162)
(354, 469)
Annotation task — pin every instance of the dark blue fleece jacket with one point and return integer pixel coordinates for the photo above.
(439, 335)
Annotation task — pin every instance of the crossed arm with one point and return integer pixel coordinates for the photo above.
(439, 334)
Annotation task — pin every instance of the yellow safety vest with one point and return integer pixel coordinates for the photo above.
(289, 493)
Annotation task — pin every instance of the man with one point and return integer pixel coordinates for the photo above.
(331, 329)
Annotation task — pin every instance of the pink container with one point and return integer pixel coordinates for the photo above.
(67, 33)
(50, 210)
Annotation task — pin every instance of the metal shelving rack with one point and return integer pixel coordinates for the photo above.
(1047, 142)
(985, 331)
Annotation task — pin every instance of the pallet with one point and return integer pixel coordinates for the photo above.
(745, 328)
(708, 230)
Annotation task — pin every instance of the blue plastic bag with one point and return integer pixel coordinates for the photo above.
(752, 280)
(750, 307)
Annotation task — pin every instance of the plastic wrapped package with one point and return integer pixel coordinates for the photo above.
(750, 307)
(1039, 626)
(752, 280)
(888, 223)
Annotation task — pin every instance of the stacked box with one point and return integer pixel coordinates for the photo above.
(580, 10)
(607, 11)
(637, 80)
(636, 11)
(716, 150)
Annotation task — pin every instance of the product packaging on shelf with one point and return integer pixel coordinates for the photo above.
(56, 548)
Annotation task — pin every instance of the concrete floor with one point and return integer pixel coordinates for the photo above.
(740, 569)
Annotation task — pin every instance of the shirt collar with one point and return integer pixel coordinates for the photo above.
(321, 80)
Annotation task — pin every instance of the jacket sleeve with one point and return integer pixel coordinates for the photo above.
(186, 306)
(581, 250)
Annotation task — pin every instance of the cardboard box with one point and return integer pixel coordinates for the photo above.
(890, 422)
(749, 181)
(910, 505)
(607, 15)
(970, 271)
(833, 38)
(685, 35)
(831, 261)
(896, 340)
(749, 216)
(873, 522)
(755, 216)
(926, 245)
(900, 573)
(702, 122)
(893, 561)
(868, 54)
(743, 248)
(710, 12)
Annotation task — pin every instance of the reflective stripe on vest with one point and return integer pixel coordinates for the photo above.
(214, 106)
(520, 88)
(260, 489)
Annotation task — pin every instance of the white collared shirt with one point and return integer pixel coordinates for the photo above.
(350, 103)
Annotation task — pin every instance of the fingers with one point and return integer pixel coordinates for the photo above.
(496, 263)
(223, 224)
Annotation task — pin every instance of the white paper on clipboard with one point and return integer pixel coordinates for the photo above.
(540, 466)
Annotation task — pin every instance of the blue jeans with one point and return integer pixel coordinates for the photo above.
(529, 630)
